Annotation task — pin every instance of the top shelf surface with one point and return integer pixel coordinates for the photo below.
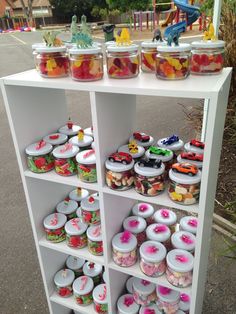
(144, 84)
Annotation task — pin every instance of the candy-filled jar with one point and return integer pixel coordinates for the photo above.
(183, 240)
(94, 271)
(145, 211)
(136, 153)
(86, 64)
(167, 300)
(100, 299)
(54, 227)
(189, 223)
(152, 262)
(95, 243)
(68, 208)
(149, 309)
(184, 303)
(149, 177)
(75, 264)
(78, 195)
(137, 226)
(129, 285)
(142, 139)
(127, 305)
(160, 233)
(124, 249)
(63, 281)
(65, 163)
(76, 233)
(166, 217)
(207, 57)
(83, 142)
(56, 139)
(173, 62)
(122, 61)
(70, 129)
(83, 289)
(34, 52)
(144, 292)
(179, 271)
(87, 171)
(90, 210)
(148, 56)
(52, 61)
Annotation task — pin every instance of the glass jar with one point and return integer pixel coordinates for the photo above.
(122, 61)
(207, 57)
(136, 155)
(148, 56)
(142, 139)
(76, 265)
(127, 305)
(76, 233)
(67, 208)
(56, 139)
(173, 62)
(119, 177)
(54, 227)
(34, 52)
(39, 157)
(149, 309)
(152, 262)
(195, 146)
(129, 285)
(87, 171)
(189, 223)
(90, 211)
(94, 271)
(166, 217)
(145, 211)
(184, 303)
(83, 289)
(124, 249)
(100, 299)
(52, 61)
(183, 240)
(78, 195)
(179, 271)
(167, 300)
(192, 158)
(144, 292)
(95, 243)
(70, 129)
(65, 163)
(183, 188)
(137, 226)
(160, 233)
(149, 181)
(63, 281)
(173, 143)
(86, 64)
(83, 144)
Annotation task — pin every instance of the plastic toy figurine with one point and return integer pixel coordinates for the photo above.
(159, 151)
(69, 124)
(173, 38)
(170, 140)
(51, 40)
(151, 163)
(192, 156)
(121, 157)
(84, 28)
(142, 137)
(81, 135)
(74, 29)
(123, 37)
(210, 33)
(157, 35)
(133, 147)
(185, 168)
(197, 143)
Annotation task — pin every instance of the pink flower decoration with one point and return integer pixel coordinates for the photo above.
(125, 237)
(192, 222)
(164, 290)
(186, 239)
(133, 223)
(128, 301)
(54, 221)
(160, 228)
(149, 311)
(151, 249)
(143, 208)
(184, 297)
(145, 282)
(67, 146)
(40, 144)
(181, 258)
(165, 213)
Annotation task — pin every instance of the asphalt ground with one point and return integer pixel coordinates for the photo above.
(21, 287)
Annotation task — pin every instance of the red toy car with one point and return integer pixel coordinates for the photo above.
(121, 157)
(185, 168)
(142, 137)
(192, 156)
(197, 143)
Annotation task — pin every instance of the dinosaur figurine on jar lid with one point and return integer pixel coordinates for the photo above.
(123, 37)
(210, 33)
(51, 40)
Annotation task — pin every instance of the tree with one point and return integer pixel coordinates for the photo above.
(28, 10)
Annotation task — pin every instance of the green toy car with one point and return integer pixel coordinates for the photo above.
(159, 151)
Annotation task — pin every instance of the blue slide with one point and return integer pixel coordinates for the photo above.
(192, 13)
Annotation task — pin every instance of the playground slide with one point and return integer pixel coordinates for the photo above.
(169, 19)
(192, 13)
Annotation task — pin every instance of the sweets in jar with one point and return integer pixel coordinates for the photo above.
(87, 171)
(95, 243)
(75, 264)
(94, 271)
(142, 139)
(149, 309)
(90, 210)
(183, 240)
(148, 56)
(136, 151)
(184, 303)
(145, 211)
(167, 300)
(83, 142)
(76, 233)
(152, 262)
(68, 208)
(54, 227)
(78, 195)
(63, 281)
(70, 129)
(160, 233)
(179, 271)
(173, 143)
(127, 305)
(100, 299)
(82, 290)
(124, 249)
(65, 163)
(144, 292)
(129, 285)
(189, 223)
(39, 157)
(137, 226)
(166, 217)
(35, 53)
(56, 139)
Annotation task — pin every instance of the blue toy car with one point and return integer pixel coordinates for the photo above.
(170, 140)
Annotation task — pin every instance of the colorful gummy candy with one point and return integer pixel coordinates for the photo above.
(53, 65)
(65, 166)
(123, 67)
(86, 68)
(148, 60)
(40, 164)
(206, 63)
(172, 68)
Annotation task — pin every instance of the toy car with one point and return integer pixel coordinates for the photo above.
(185, 168)
(192, 156)
(142, 137)
(151, 163)
(197, 143)
(121, 157)
(159, 151)
(170, 140)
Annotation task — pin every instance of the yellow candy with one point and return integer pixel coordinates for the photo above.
(78, 63)
(185, 64)
(51, 64)
(176, 197)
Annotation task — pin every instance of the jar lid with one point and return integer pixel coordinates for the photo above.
(38, 149)
(104, 276)
(70, 131)
(129, 285)
(70, 45)
(86, 157)
(208, 44)
(83, 285)
(67, 207)
(165, 216)
(150, 44)
(100, 294)
(93, 145)
(88, 131)
(143, 144)
(178, 145)
(97, 44)
(110, 42)
(149, 309)
(189, 223)
(92, 269)
(56, 138)
(65, 151)
(125, 149)
(184, 178)
(37, 45)
(159, 153)
(46, 49)
(75, 227)
(143, 287)
(74, 263)
(79, 212)
(64, 277)
(134, 224)
(180, 260)
(152, 251)
(124, 242)
(115, 48)
(90, 204)
(149, 171)
(127, 305)
(158, 232)
(194, 162)
(143, 210)
(183, 240)
(117, 166)
(94, 233)
(184, 303)
(86, 51)
(173, 48)
(87, 141)
(78, 194)
(54, 221)
(191, 148)
(167, 295)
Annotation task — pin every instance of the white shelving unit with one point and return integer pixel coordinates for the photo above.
(37, 106)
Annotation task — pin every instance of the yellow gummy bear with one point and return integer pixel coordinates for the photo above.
(174, 63)
(185, 64)
(51, 64)
(176, 196)
(78, 63)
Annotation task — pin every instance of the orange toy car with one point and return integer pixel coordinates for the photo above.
(185, 168)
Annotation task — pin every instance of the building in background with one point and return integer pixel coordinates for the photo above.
(41, 9)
